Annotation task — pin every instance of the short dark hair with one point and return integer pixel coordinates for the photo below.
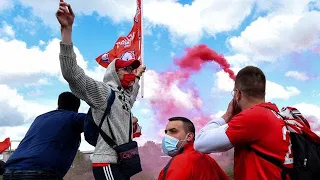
(252, 82)
(187, 124)
(68, 101)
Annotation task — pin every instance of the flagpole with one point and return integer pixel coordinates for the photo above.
(142, 49)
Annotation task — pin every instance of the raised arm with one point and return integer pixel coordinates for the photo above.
(213, 137)
(91, 91)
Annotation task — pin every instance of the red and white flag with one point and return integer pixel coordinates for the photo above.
(127, 47)
(4, 145)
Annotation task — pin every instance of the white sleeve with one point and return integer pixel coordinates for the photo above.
(213, 137)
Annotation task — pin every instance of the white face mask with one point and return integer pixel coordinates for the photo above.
(169, 145)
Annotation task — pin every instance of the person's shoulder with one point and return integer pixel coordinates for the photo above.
(253, 111)
(46, 114)
(181, 159)
(192, 156)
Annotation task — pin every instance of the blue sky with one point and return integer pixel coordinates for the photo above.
(281, 38)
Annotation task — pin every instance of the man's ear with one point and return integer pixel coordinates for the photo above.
(190, 137)
(238, 96)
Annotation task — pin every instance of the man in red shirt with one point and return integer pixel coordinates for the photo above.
(251, 126)
(186, 163)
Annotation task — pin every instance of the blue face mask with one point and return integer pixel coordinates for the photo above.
(169, 145)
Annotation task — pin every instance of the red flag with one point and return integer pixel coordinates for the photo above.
(4, 145)
(127, 47)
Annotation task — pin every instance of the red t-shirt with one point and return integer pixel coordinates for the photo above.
(193, 165)
(264, 131)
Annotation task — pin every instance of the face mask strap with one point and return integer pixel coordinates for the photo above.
(185, 140)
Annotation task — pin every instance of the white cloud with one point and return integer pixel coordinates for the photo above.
(238, 61)
(155, 90)
(15, 134)
(17, 115)
(35, 93)
(276, 91)
(17, 111)
(35, 64)
(289, 27)
(6, 4)
(284, 6)
(217, 115)
(310, 111)
(273, 90)
(317, 4)
(189, 22)
(31, 60)
(297, 75)
(85, 146)
(223, 82)
(40, 82)
(116, 10)
(152, 80)
(29, 25)
(42, 43)
(6, 30)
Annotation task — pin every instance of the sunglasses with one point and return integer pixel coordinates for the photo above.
(233, 92)
(129, 69)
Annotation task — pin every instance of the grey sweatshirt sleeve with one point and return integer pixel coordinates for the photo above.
(213, 137)
(94, 93)
(135, 92)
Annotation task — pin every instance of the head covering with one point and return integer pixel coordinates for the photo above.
(125, 63)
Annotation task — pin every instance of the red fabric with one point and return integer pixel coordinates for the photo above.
(191, 164)
(127, 47)
(100, 164)
(136, 130)
(4, 145)
(264, 131)
(298, 124)
(121, 63)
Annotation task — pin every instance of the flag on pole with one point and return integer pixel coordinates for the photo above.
(127, 47)
(4, 145)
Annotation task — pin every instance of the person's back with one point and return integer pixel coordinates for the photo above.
(50, 144)
(251, 126)
(258, 129)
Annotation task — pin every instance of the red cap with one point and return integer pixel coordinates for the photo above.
(125, 63)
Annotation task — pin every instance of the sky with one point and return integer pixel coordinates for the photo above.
(282, 37)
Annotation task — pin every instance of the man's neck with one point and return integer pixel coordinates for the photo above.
(252, 102)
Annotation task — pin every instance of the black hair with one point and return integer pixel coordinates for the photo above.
(187, 124)
(68, 101)
(252, 82)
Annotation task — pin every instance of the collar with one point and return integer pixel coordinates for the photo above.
(187, 147)
(269, 105)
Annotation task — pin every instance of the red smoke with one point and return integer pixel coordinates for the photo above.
(198, 55)
(314, 123)
(167, 104)
(317, 49)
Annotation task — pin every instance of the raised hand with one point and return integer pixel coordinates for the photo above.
(140, 70)
(232, 110)
(65, 15)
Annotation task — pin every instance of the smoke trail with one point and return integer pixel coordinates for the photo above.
(198, 55)
(177, 95)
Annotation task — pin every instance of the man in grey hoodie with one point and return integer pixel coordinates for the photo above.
(119, 77)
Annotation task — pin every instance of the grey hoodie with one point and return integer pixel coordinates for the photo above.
(96, 93)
